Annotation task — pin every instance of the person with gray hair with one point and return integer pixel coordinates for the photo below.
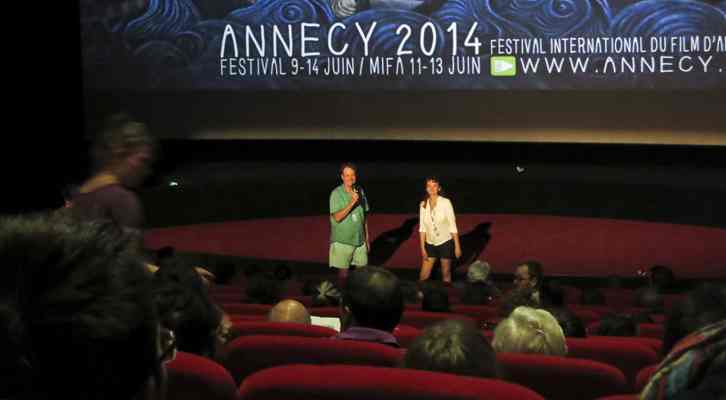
(530, 330)
(289, 311)
(479, 290)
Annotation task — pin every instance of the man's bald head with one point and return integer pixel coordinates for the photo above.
(289, 311)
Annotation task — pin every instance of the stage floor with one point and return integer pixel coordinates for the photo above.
(567, 246)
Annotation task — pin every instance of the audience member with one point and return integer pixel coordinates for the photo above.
(479, 290)
(617, 325)
(411, 293)
(529, 330)
(372, 306)
(570, 323)
(528, 278)
(283, 272)
(289, 311)
(262, 289)
(188, 313)
(661, 278)
(516, 298)
(455, 347)
(435, 299)
(703, 306)
(695, 343)
(326, 295)
(122, 154)
(82, 311)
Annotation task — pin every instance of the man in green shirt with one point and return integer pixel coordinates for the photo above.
(349, 241)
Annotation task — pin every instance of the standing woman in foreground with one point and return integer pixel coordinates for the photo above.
(438, 232)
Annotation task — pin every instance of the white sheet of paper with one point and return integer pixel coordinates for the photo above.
(328, 322)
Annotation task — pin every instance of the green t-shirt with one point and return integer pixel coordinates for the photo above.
(351, 230)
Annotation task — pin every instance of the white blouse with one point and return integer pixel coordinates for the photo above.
(438, 223)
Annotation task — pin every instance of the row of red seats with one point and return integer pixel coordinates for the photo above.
(422, 319)
(551, 377)
(616, 300)
(629, 355)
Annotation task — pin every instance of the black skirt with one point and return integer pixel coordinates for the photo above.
(444, 250)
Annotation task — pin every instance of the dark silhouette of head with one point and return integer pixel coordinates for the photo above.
(661, 277)
(81, 314)
(373, 299)
(190, 315)
(455, 347)
(263, 289)
(702, 306)
(571, 324)
(435, 299)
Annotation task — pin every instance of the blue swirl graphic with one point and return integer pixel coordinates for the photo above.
(556, 18)
(384, 40)
(669, 18)
(282, 12)
(162, 20)
(489, 24)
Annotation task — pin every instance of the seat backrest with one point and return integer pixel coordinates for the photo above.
(280, 328)
(629, 357)
(422, 319)
(619, 299)
(562, 378)
(479, 313)
(226, 298)
(655, 344)
(586, 316)
(192, 377)
(367, 383)
(246, 309)
(644, 376)
(406, 335)
(249, 354)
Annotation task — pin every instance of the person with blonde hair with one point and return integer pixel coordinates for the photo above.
(530, 330)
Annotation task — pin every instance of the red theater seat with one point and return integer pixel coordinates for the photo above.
(644, 376)
(192, 377)
(563, 378)
(619, 299)
(226, 298)
(655, 344)
(586, 316)
(651, 330)
(629, 357)
(338, 382)
(249, 354)
(246, 309)
(246, 318)
(422, 319)
(406, 335)
(479, 313)
(602, 311)
(280, 328)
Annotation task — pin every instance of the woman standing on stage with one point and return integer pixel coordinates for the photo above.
(437, 228)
